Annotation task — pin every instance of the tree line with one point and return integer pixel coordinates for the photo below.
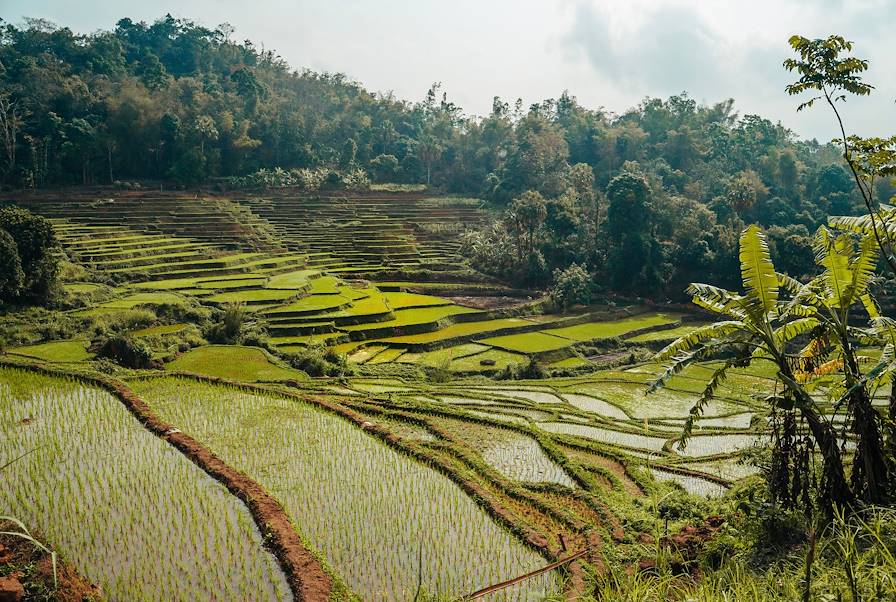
(644, 200)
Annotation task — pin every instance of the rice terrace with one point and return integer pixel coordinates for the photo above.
(266, 335)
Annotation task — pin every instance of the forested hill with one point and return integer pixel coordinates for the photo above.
(179, 102)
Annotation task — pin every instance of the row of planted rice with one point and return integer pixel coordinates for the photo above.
(383, 521)
(130, 512)
(609, 411)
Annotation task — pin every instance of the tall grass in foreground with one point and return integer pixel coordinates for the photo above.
(852, 560)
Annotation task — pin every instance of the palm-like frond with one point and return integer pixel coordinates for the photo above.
(709, 392)
(833, 253)
(757, 271)
(791, 330)
(885, 328)
(788, 283)
(698, 335)
(862, 224)
(870, 305)
(679, 363)
(863, 266)
(716, 300)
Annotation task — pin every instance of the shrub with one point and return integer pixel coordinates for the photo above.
(229, 326)
(125, 351)
(571, 286)
(12, 278)
(317, 360)
(36, 245)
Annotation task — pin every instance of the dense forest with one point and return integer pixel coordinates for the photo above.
(644, 201)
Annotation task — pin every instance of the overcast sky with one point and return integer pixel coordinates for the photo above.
(608, 53)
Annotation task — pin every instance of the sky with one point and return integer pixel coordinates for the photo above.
(607, 53)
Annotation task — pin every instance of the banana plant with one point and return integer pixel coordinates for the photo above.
(764, 322)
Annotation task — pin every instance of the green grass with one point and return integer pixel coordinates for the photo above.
(359, 356)
(233, 362)
(591, 331)
(251, 296)
(668, 334)
(296, 280)
(409, 317)
(399, 300)
(228, 283)
(462, 329)
(132, 301)
(473, 363)
(443, 357)
(372, 304)
(325, 285)
(84, 287)
(168, 284)
(311, 304)
(307, 339)
(386, 356)
(570, 362)
(528, 342)
(160, 330)
(57, 351)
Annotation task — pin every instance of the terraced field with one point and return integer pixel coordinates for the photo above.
(414, 471)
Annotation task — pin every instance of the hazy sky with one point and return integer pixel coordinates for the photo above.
(608, 53)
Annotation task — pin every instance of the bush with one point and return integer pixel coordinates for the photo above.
(36, 246)
(571, 286)
(125, 351)
(12, 278)
(317, 360)
(228, 328)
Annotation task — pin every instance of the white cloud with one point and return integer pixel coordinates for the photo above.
(606, 52)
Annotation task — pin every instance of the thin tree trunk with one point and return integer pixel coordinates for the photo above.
(835, 490)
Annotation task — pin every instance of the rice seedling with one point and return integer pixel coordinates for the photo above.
(668, 334)
(233, 362)
(604, 435)
(613, 328)
(710, 445)
(494, 359)
(594, 405)
(692, 484)
(160, 330)
(463, 329)
(541, 397)
(528, 342)
(371, 511)
(665, 403)
(129, 511)
(415, 316)
(57, 351)
(728, 469)
(514, 455)
(570, 362)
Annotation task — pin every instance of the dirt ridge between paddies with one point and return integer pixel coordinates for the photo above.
(477, 492)
(307, 578)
